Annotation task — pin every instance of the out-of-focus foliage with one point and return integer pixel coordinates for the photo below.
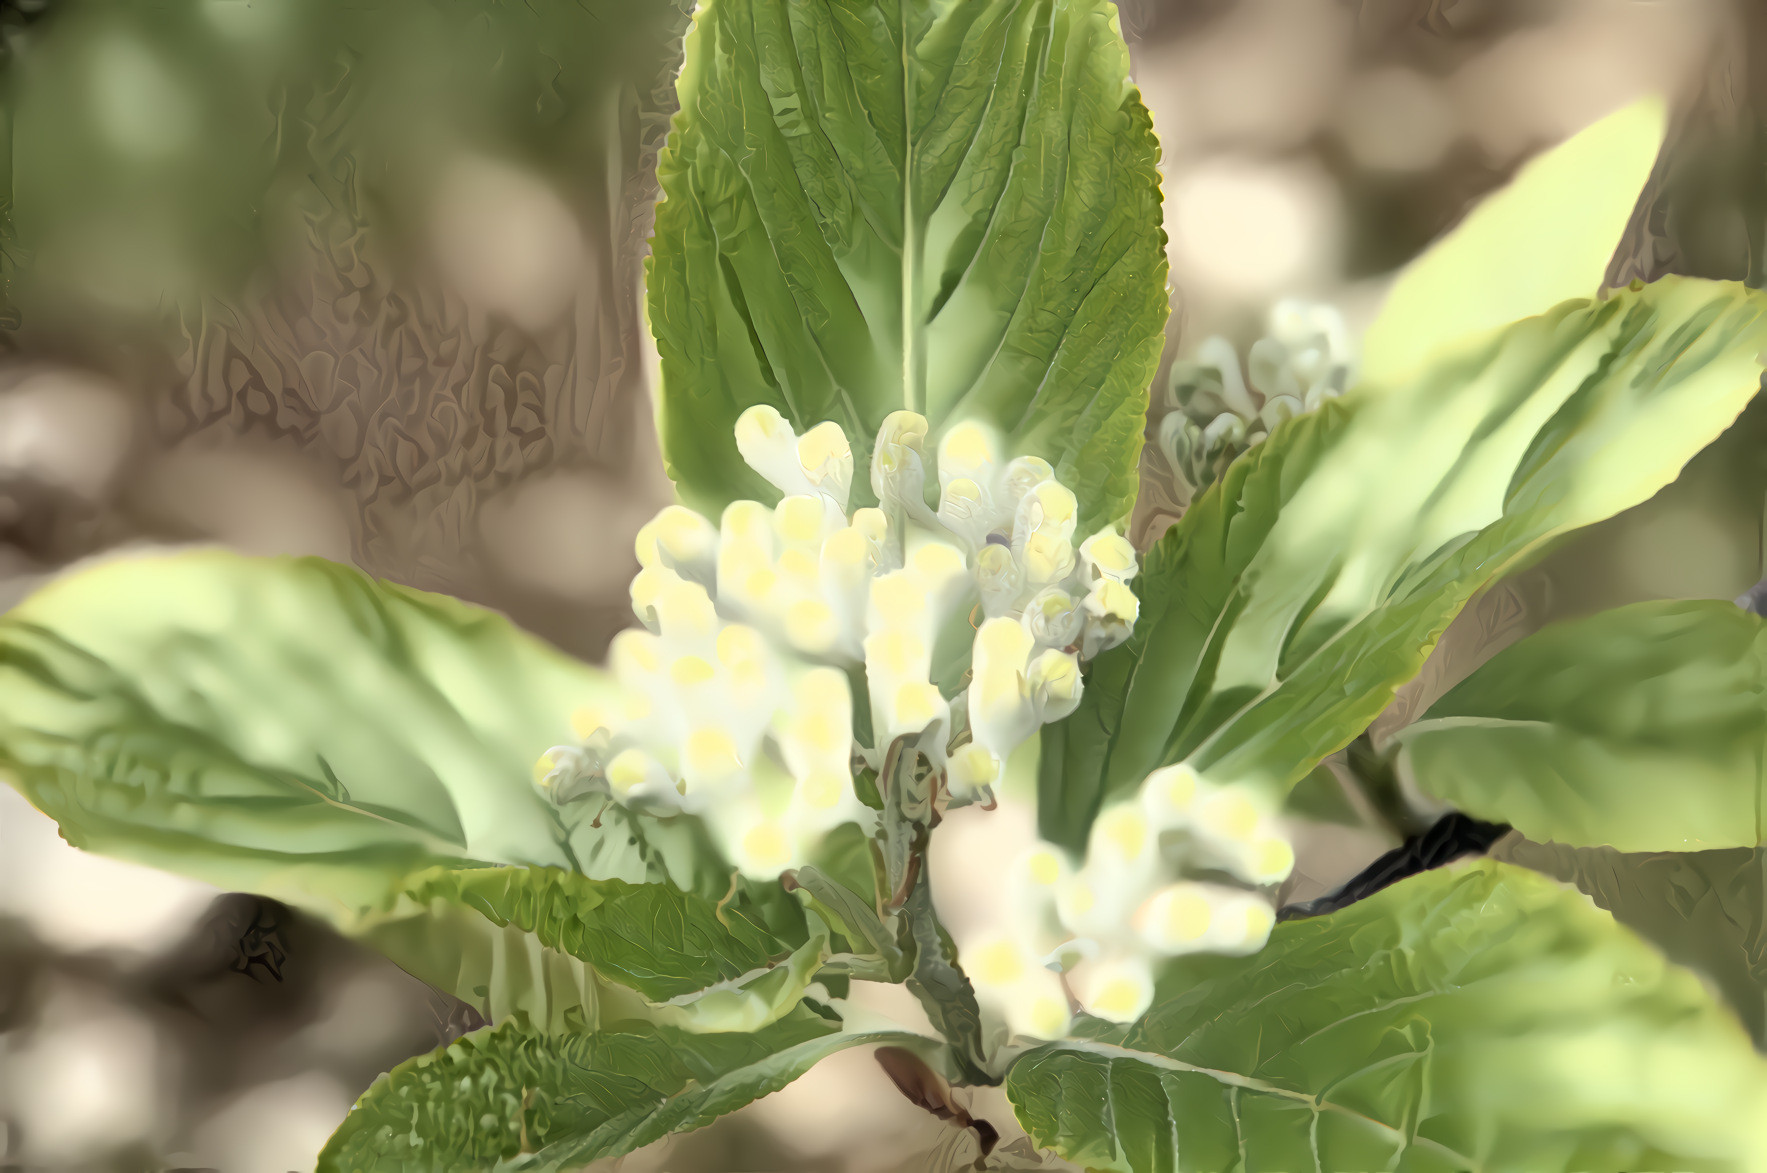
(1471, 1018)
(160, 152)
(1706, 910)
(534, 1104)
(1545, 238)
(1304, 358)
(1641, 729)
(1281, 613)
(945, 209)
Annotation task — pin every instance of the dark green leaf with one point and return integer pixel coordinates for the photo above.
(1642, 728)
(486, 935)
(895, 204)
(516, 1100)
(1475, 1018)
(1279, 616)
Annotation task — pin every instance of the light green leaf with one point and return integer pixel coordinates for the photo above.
(1279, 616)
(294, 728)
(1706, 910)
(517, 1101)
(1642, 728)
(895, 204)
(1476, 1018)
(544, 946)
(1545, 238)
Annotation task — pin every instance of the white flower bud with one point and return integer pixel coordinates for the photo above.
(1111, 610)
(898, 469)
(972, 767)
(1168, 796)
(1053, 618)
(1021, 475)
(1009, 981)
(968, 451)
(827, 462)
(965, 512)
(1048, 508)
(1108, 555)
(1001, 714)
(1116, 988)
(1053, 684)
(770, 447)
(680, 540)
(1000, 579)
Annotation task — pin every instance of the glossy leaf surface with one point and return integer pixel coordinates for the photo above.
(950, 208)
(1642, 729)
(1279, 616)
(1474, 1018)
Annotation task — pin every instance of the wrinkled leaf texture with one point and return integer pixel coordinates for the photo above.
(505, 1099)
(1281, 613)
(1473, 1018)
(884, 204)
(1643, 729)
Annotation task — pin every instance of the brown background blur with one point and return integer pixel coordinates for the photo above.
(364, 282)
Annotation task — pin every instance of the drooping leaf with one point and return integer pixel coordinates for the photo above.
(290, 727)
(895, 204)
(1642, 728)
(542, 945)
(1543, 239)
(1279, 616)
(1706, 910)
(513, 1100)
(1475, 1018)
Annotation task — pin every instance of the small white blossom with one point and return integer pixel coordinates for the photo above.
(736, 703)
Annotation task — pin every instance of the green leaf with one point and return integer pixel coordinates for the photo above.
(294, 728)
(1706, 910)
(1642, 728)
(1279, 616)
(894, 204)
(1475, 1018)
(1543, 239)
(541, 945)
(519, 1101)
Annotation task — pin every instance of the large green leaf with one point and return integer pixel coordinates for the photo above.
(1294, 597)
(514, 1100)
(1706, 910)
(1543, 239)
(1642, 728)
(284, 726)
(1477, 1018)
(889, 204)
(546, 947)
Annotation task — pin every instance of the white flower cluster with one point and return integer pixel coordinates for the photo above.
(1103, 925)
(736, 701)
(1306, 357)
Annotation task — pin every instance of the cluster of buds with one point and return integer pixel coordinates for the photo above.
(964, 621)
(1305, 358)
(1095, 930)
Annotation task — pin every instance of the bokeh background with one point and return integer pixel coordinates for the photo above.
(363, 280)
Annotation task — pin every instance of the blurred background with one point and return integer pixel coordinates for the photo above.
(363, 280)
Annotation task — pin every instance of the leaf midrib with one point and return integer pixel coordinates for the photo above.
(1113, 1053)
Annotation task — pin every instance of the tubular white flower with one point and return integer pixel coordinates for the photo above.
(768, 445)
(735, 702)
(1108, 555)
(1008, 981)
(1116, 988)
(1001, 714)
